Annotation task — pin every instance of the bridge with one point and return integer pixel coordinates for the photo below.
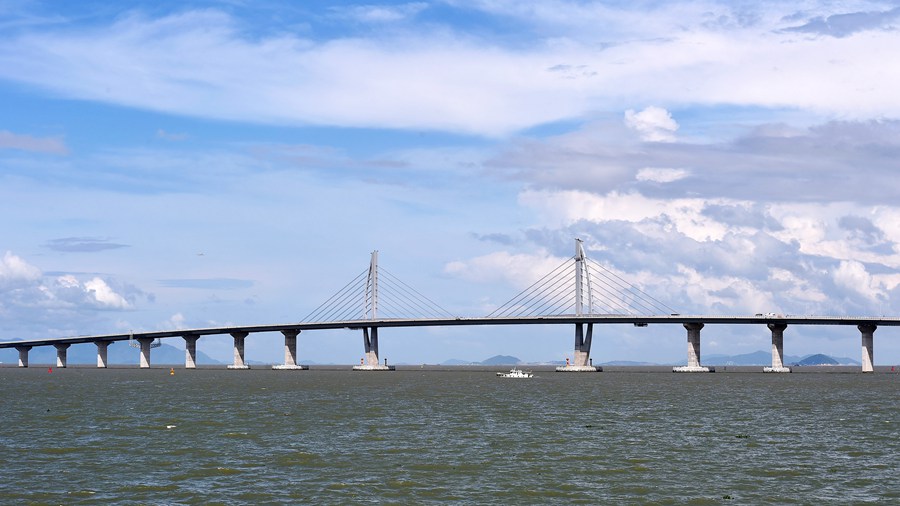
(580, 292)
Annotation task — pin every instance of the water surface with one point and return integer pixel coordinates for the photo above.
(130, 436)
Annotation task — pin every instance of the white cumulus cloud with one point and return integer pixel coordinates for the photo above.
(661, 175)
(103, 294)
(654, 124)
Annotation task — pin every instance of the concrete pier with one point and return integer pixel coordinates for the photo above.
(777, 348)
(239, 351)
(102, 349)
(693, 339)
(23, 355)
(290, 352)
(582, 357)
(370, 344)
(145, 343)
(868, 334)
(61, 351)
(190, 351)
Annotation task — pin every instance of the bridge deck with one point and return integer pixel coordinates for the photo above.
(449, 322)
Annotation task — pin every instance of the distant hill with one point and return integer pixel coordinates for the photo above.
(818, 359)
(764, 358)
(501, 360)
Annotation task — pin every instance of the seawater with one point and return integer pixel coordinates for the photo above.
(209, 436)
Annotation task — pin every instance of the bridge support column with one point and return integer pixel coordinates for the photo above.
(102, 353)
(370, 344)
(61, 351)
(239, 351)
(868, 335)
(23, 355)
(290, 352)
(145, 343)
(581, 360)
(777, 348)
(693, 338)
(190, 351)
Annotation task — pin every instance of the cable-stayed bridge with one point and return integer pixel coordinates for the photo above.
(579, 292)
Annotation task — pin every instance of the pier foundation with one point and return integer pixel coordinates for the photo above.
(581, 360)
(61, 351)
(290, 352)
(102, 353)
(190, 351)
(868, 336)
(145, 343)
(23, 355)
(777, 348)
(693, 339)
(239, 351)
(370, 345)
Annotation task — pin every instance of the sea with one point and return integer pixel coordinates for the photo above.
(451, 435)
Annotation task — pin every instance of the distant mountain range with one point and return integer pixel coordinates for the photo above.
(495, 360)
(761, 358)
(118, 353)
(765, 358)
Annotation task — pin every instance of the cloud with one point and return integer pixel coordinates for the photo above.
(50, 145)
(654, 124)
(104, 295)
(830, 162)
(661, 175)
(518, 270)
(845, 25)
(853, 276)
(380, 13)
(14, 271)
(36, 303)
(729, 256)
(453, 77)
(82, 244)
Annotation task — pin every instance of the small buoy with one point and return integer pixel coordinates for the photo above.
(49, 369)
(172, 371)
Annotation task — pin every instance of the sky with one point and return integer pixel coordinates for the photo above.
(168, 165)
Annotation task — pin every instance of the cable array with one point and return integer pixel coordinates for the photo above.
(394, 299)
(613, 294)
(604, 292)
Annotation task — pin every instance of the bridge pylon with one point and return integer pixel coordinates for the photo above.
(370, 334)
(581, 360)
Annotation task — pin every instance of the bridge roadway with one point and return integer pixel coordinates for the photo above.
(693, 324)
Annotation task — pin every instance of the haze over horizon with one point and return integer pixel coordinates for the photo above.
(171, 165)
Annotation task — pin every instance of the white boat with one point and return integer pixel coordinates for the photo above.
(516, 373)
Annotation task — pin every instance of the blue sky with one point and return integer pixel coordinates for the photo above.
(193, 164)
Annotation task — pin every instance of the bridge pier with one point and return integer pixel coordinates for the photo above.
(190, 351)
(370, 344)
(777, 348)
(581, 360)
(23, 355)
(868, 335)
(693, 338)
(102, 353)
(239, 351)
(290, 352)
(61, 351)
(145, 343)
